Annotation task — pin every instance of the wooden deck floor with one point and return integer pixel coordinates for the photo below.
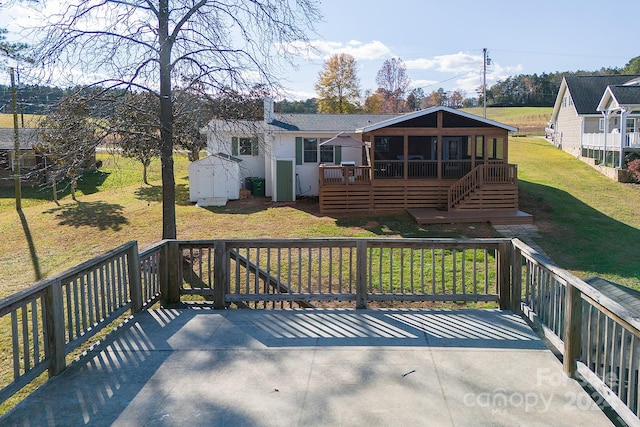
(434, 216)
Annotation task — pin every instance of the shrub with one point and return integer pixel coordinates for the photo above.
(634, 167)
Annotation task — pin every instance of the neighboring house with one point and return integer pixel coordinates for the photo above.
(597, 118)
(437, 158)
(29, 160)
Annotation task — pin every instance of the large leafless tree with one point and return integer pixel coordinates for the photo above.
(157, 45)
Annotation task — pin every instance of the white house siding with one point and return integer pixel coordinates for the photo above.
(307, 178)
(568, 128)
(591, 124)
(251, 166)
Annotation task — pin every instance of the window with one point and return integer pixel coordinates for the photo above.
(601, 125)
(244, 146)
(631, 125)
(310, 150)
(326, 154)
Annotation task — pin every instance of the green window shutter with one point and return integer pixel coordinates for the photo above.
(254, 146)
(298, 150)
(337, 154)
(234, 146)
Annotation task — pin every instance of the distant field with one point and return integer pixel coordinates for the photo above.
(528, 120)
(30, 120)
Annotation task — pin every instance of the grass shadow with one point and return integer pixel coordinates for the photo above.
(608, 246)
(153, 193)
(101, 215)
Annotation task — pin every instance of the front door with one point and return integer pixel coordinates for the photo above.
(284, 181)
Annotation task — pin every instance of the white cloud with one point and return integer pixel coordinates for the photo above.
(323, 49)
(460, 62)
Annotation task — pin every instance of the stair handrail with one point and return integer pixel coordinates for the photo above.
(493, 173)
(465, 185)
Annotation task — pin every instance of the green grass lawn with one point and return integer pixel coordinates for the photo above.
(589, 224)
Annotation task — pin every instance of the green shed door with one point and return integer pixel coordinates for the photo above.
(284, 180)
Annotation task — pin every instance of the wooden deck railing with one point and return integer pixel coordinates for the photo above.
(598, 337)
(54, 317)
(344, 175)
(492, 173)
(273, 273)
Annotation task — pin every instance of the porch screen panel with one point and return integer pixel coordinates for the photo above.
(496, 149)
(422, 157)
(388, 157)
(479, 154)
(456, 156)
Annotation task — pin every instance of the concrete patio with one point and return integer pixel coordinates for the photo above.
(188, 367)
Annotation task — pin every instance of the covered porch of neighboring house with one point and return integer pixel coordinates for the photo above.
(620, 137)
(605, 148)
(442, 165)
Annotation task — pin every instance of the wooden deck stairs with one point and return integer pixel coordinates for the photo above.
(489, 193)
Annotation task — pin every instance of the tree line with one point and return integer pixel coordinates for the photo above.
(339, 91)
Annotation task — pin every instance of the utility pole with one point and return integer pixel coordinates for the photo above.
(485, 61)
(16, 141)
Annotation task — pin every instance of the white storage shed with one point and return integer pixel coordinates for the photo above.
(215, 177)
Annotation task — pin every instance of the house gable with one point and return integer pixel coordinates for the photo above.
(620, 97)
(428, 119)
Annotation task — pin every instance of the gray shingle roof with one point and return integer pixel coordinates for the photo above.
(325, 122)
(26, 137)
(626, 95)
(586, 91)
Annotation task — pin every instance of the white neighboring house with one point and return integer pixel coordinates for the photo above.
(597, 119)
(285, 149)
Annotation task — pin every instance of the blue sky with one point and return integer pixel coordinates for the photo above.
(441, 41)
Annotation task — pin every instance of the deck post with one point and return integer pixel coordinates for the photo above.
(504, 277)
(220, 274)
(54, 315)
(163, 274)
(170, 279)
(361, 273)
(572, 330)
(516, 279)
(135, 278)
